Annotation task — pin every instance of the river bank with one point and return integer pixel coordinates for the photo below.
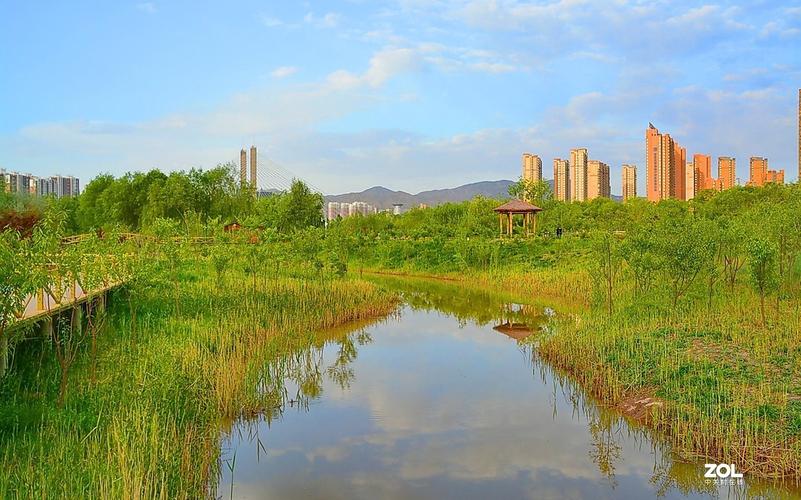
(714, 381)
(148, 426)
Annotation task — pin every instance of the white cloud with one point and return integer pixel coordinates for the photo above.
(284, 71)
(147, 7)
(328, 20)
(493, 67)
(271, 22)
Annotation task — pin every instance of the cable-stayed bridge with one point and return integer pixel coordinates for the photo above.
(269, 174)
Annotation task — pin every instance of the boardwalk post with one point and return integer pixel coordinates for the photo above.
(46, 327)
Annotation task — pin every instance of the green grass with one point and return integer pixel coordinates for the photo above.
(150, 426)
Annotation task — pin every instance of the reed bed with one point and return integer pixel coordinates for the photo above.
(150, 425)
(720, 385)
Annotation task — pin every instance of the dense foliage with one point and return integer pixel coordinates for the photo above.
(135, 201)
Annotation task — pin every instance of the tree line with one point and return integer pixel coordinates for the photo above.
(135, 201)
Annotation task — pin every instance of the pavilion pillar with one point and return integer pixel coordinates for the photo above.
(500, 222)
(534, 223)
(511, 220)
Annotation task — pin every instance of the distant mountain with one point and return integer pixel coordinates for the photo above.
(382, 198)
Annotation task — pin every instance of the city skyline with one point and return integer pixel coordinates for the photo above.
(26, 183)
(349, 95)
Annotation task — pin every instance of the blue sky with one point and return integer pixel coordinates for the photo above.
(409, 94)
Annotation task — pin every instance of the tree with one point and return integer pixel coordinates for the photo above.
(686, 247)
(52, 273)
(16, 285)
(220, 259)
(171, 254)
(640, 249)
(732, 249)
(96, 272)
(608, 263)
(92, 212)
(537, 192)
(301, 208)
(762, 260)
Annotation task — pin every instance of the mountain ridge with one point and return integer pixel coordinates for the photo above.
(383, 198)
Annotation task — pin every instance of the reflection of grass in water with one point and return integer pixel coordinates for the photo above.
(465, 303)
(723, 387)
(149, 427)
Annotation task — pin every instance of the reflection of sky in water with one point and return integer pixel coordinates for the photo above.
(438, 411)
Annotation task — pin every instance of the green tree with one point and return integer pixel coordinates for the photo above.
(686, 248)
(301, 208)
(16, 284)
(537, 193)
(762, 264)
(92, 211)
(641, 251)
(608, 260)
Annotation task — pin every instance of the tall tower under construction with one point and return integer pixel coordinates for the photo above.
(253, 174)
(243, 168)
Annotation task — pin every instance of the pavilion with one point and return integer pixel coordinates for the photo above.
(518, 207)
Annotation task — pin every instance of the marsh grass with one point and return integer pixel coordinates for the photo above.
(726, 387)
(149, 426)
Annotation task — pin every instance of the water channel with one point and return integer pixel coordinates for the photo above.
(441, 401)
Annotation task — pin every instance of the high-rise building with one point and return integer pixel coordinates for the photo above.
(332, 211)
(343, 209)
(758, 171)
(58, 186)
(532, 168)
(243, 167)
(254, 185)
(561, 179)
(775, 176)
(578, 174)
(597, 180)
(665, 164)
(702, 164)
(727, 172)
(629, 182)
(680, 165)
(689, 182)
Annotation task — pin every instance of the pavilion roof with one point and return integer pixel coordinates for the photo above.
(517, 207)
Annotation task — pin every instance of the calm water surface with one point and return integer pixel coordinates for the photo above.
(440, 401)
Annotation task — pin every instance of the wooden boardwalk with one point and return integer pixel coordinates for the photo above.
(43, 305)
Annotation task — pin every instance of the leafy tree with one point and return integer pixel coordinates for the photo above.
(69, 334)
(92, 211)
(300, 208)
(641, 251)
(220, 259)
(537, 193)
(16, 285)
(732, 249)
(762, 263)
(97, 268)
(171, 253)
(608, 261)
(686, 247)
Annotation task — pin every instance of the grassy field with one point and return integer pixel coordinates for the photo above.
(149, 425)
